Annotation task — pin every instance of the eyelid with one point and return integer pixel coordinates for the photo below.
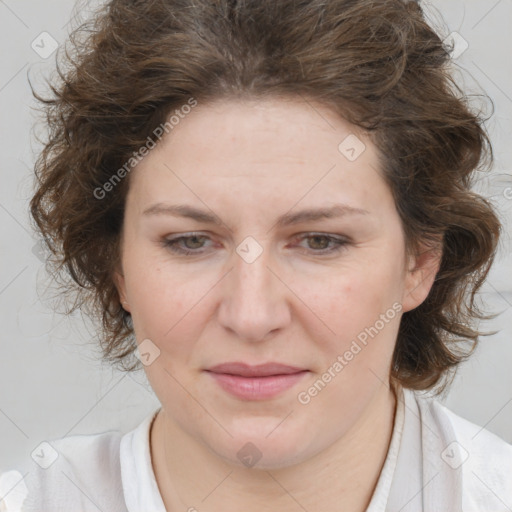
(334, 236)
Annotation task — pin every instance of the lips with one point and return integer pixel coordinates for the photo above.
(259, 382)
(261, 370)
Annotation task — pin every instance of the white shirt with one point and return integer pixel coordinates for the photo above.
(436, 462)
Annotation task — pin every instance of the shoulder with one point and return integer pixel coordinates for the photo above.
(484, 458)
(485, 449)
(80, 472)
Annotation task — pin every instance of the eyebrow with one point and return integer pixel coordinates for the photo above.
(288, 219)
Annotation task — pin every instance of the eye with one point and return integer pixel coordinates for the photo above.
(319, 243)
(191, 243)
(323, 244)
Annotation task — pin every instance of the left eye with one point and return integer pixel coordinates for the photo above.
(320, 242)
(192, 244)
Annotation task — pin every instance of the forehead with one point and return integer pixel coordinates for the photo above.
(263, 131)
(259, 152)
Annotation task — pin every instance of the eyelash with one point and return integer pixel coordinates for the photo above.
(172, 244)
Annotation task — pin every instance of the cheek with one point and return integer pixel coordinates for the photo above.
(360, 306)
(362, 310)
(159, 298)
(168, 311)
(354, 298)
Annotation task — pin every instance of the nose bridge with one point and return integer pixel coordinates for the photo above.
(253, 278)
(253, 302)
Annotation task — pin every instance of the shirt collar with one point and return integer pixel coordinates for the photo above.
(139, 483)
(380, 494)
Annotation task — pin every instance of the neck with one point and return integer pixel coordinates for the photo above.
(192, 477)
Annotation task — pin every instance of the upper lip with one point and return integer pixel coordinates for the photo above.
(260, 370)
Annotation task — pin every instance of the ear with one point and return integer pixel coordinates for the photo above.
(120, 285)
(421, 272)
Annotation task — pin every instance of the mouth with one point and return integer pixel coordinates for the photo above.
(259, 382)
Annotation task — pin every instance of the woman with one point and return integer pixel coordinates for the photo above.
(268, 205)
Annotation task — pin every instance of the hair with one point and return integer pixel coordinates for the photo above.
(378, 64)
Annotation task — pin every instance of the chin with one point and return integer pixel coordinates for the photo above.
(258, 456)
(263, 446)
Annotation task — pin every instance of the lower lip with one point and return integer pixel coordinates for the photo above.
(256, 388)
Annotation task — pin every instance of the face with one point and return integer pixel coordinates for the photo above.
(247, 270)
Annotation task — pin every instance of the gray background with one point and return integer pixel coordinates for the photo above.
(51, 383)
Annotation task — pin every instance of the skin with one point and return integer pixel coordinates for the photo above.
(248, 162)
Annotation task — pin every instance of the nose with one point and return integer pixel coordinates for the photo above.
(255, 302)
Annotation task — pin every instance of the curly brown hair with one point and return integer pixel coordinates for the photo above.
(378, 64)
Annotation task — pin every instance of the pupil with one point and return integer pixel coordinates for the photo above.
(192, 239)
(316, 239)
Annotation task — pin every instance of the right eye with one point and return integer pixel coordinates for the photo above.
(185, 244)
